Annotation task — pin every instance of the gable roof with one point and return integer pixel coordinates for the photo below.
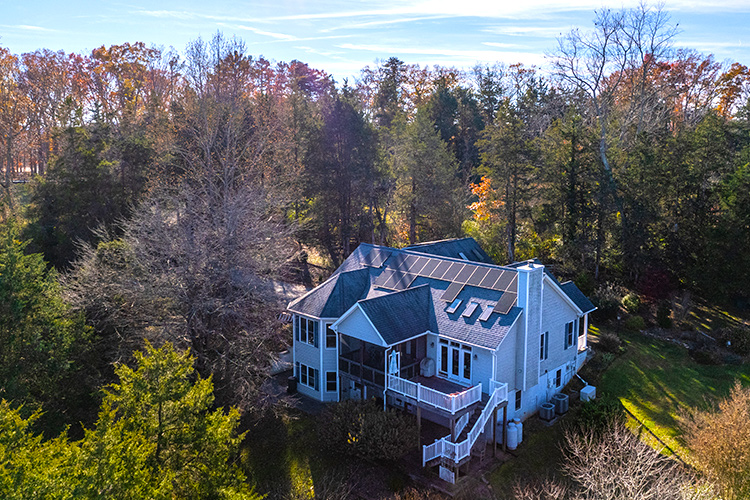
(401, 315)
(577, 296)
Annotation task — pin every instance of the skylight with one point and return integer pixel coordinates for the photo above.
(487, 312)
(452, 308)
(470, 309)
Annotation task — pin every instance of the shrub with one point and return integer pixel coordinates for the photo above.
(363, 429)
(610, 342)
(663, 315)
(631, 302)
(635, 323)
(607, 359)
(601, 414)
(706, 355)
(719, 439)
(607, 299)
(738, 338)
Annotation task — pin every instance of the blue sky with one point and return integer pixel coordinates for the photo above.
(341, 37)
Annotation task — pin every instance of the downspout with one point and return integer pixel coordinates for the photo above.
(385, 370)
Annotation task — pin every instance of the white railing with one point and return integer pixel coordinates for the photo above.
(423, 394)
(462, 422)
(458, 451)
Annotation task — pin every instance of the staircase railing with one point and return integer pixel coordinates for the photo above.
(461, 450)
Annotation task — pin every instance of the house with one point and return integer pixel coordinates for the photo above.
(441, 331)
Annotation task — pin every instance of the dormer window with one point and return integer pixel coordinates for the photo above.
(454, 306)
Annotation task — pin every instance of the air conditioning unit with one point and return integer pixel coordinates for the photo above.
(547, 411)
(561, 402)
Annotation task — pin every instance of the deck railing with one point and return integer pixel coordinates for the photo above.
(424, 394)
(458, 451)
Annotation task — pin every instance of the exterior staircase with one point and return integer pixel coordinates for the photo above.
(454, 453)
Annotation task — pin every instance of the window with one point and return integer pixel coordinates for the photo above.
(569, 329)
(330, 338)
(444, 357)
(581, 327)
(518, 400)
(544, 346)
(558, 378)
(307, 331)
(307, 376)
(331, 382)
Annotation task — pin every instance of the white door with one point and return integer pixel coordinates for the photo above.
(455, 361)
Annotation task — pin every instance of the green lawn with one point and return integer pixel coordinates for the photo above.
(658, 381)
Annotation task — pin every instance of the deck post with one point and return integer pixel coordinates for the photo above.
(419, 427)
(505, 428)
(494, 432)
(453, 428)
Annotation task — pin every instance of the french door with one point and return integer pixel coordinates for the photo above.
(455, 361)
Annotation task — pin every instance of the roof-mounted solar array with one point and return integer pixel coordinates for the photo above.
(506, 302)
(375, 257)
(457, 272)
(452, 292)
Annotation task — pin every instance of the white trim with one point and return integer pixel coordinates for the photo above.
(562, 293)
(355, 307)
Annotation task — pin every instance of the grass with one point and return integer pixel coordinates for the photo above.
(658, 381)
(655, 380)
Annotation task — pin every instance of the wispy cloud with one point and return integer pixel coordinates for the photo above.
(26, 27)
(467, 55)
(277, 36)
(503, 45)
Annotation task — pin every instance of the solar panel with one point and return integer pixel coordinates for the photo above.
(487, 312)
(396, 260)
(465, 273)
(513, 285)
(452, 292)
(440, 270)
(375, 257)
(405, 281)
(395, 278)
(478, 276)
(491, 278)
(453, 271)
(429, 267)
(384, 276)
(418, 265)
(504, 280)
(470, 309)
(506, 302)
(409, 261)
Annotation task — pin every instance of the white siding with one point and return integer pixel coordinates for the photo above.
(507, 359)
(556, 313)
(358, 326)
(481, 369)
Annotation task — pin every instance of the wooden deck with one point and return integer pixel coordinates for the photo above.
(440, 384)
